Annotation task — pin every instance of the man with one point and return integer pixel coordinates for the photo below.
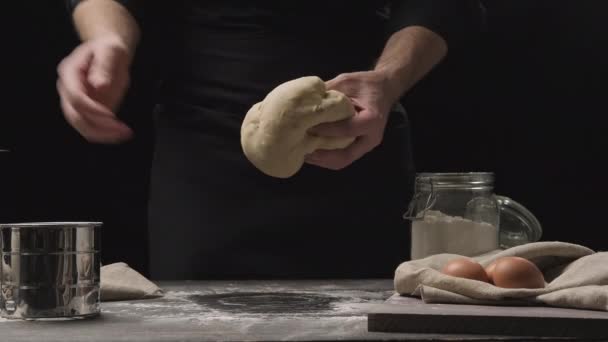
(212, 214)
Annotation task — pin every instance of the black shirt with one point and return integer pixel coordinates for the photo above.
(212, 214)
(225, 55)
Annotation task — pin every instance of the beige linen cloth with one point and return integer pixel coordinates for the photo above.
(576, 277)
(121, 282)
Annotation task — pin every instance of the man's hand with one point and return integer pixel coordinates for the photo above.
(408, 55)
(368, 91)
(92, 82)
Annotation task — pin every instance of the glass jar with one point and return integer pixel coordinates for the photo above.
(459, 213)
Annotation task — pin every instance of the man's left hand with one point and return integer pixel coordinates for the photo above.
(368, 91)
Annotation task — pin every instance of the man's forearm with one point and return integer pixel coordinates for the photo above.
(106, 18)
(408, 56)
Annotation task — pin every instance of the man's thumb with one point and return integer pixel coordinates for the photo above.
(99, 78)
(101, 71)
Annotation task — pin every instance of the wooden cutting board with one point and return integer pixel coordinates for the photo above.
(412, 315)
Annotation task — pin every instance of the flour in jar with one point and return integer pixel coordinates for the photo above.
(440, 233)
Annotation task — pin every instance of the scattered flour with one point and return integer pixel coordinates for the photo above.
(341, 309)
(178, 306)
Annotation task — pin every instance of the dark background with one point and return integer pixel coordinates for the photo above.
(526, 100)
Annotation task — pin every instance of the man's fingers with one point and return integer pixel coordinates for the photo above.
(73, 81)
(338, 81)
(98, 130)
(84, 104)
(81, 101)
(342, 128)
(102, 69)
(339, 159)
(355, 126)
(346, 83)
(95, 128)
(74, 69)
(90, 85)
(332, 84)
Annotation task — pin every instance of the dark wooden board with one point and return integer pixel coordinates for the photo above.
(412, 315)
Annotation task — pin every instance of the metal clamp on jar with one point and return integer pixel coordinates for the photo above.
(50, 270)
(459, 213)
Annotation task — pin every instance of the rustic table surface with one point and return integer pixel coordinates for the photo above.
(236, 311)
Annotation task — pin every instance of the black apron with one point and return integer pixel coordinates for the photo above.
(212, 214)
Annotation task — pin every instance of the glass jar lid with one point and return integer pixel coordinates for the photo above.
(470, 180)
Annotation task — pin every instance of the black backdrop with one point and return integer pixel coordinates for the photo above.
(525, 100)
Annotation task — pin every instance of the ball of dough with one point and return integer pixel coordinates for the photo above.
(274, 133)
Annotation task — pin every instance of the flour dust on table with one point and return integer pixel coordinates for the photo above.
(230, 305)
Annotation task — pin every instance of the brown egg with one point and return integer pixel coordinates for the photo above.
(490, 271)
(516, 272)
(465, 268)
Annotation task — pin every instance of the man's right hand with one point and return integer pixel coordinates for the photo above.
(92, 83)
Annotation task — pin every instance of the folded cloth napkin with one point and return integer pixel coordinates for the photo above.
(121, 282)
(576, 277)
